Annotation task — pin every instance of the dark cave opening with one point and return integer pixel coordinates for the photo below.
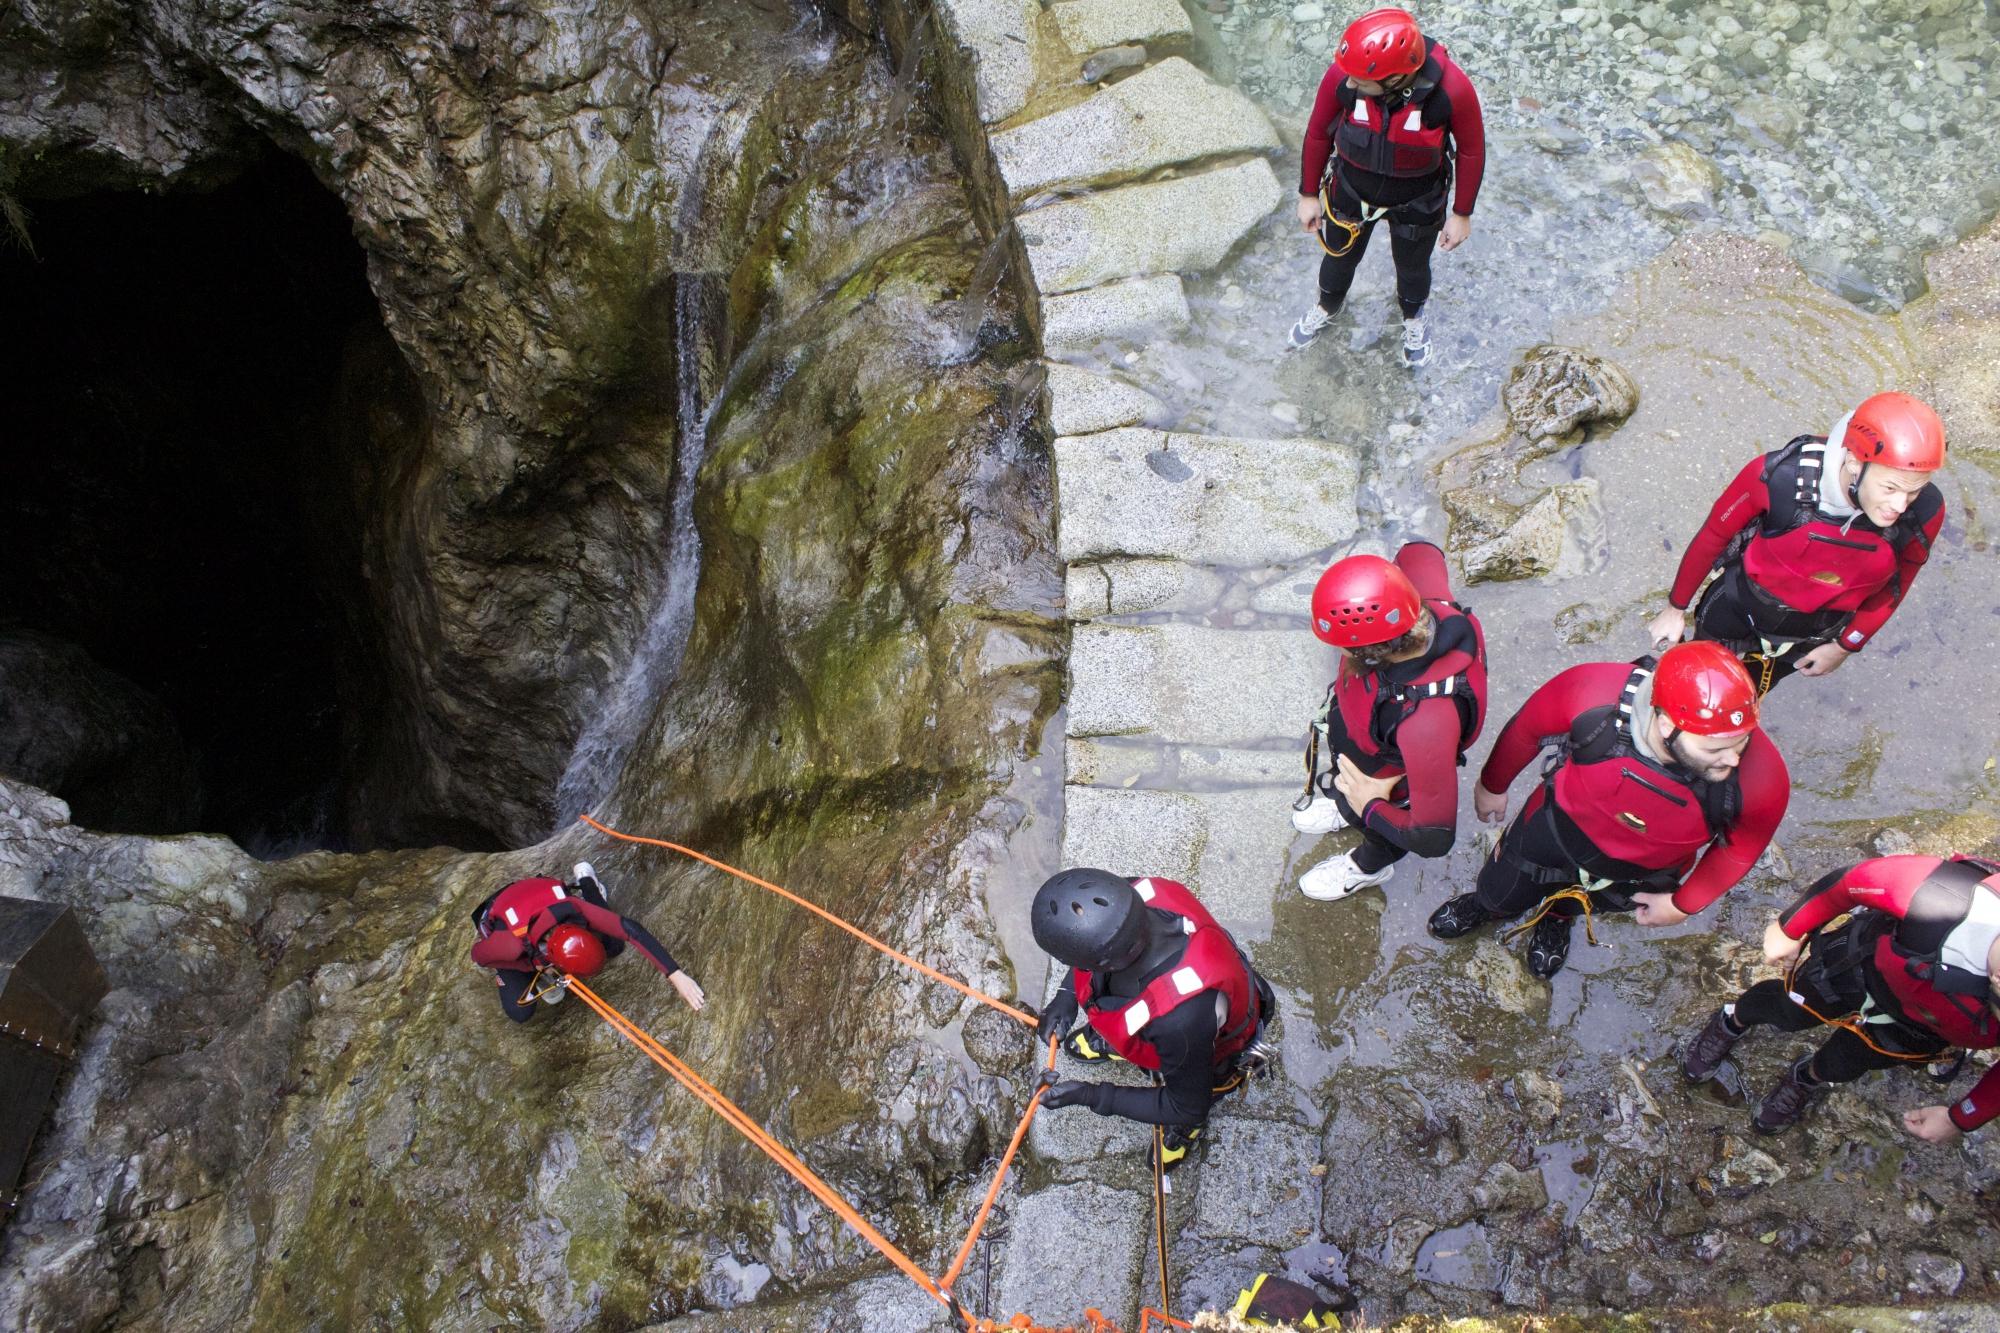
(182, 437)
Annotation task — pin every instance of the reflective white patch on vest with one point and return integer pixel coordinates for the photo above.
(1144, 888)
(1971, 939)
(1186, 980)
(1137, 1015)
(1360, 111)
(1416, 120)
(512, 919)
(1188, 927)
(561, 892)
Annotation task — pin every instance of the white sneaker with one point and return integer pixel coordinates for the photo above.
(1308, 328)
(581, 871)
(1322, 816)
(1330, 881)
(1416, 342)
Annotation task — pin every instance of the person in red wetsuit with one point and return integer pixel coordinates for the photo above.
(1662, 794)
(1161, 985)
(1408, 699)
(1392, 112)
(1817, 543)
(534, 924)
(1907, 978)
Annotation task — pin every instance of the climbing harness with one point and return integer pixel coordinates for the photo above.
(1370, 214)
(737, 1118)
(1869, 1012)
(1577, 893)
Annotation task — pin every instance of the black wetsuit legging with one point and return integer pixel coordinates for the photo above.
(1545, 838)
(1731, 614)
(1413, 233)
(1844, 1057)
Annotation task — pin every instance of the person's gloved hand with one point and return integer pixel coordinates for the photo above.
(1061, 1092)
(1058, 1017)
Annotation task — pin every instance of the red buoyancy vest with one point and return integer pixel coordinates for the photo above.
(1401, 141)
(1210, 963)
(1949, 925)
(1367, 709)
(515, 907)
(1631, 808)
(1810, 562)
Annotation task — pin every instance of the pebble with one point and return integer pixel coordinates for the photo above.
(1288, 413)
(1308, 13)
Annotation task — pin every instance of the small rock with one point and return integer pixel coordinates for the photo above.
(1894, 842)
(1933, 1274)
(1504, 1190)
(1747, 1168)
(1112, 59)
(1677, 180)
(1556, 389)
(1308, 13)
(1288, 413)
(1709, 1245)
(1541, 1096)
(1501, 977)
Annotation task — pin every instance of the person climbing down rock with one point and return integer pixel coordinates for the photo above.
(1662, 793)
(1160, 984)
(1408, 699)
(536, 924)
(1815, 545)
(1908, 977)
(1393, 112)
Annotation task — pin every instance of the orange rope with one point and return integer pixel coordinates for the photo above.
(1846, 1024)
(751, 1130)
(999, 1176)
(862, 935)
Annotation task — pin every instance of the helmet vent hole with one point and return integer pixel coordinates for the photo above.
(1100, 902)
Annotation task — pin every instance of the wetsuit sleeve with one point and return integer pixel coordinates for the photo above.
(1886, 883)
(1185, 1039)
(1468, 136)
(1767, 790)
(1428, 739)
(1423, 564)
(1874, 613)
(1547, 715)
(1319, 131)
(613, 926)
(503, 949)
(1740, 505)
(1981, 1104)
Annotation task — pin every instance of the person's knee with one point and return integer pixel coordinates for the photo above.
(516, 1011)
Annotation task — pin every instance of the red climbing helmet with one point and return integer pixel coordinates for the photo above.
(1704, 690)
(575, 950)
(1363, 600)
(1896, 430)
(1381, 44)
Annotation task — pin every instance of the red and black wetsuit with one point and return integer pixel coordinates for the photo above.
(1793, 575)
(513, 923)
(1414, 718)
(1616, 815)
(1396, 152)
(1881, 965)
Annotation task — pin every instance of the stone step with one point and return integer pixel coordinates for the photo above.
(1089, 26)
(1081, 402)
(1162, 116)
(1201, 498)
(1000, 35)
(1176, 226)
(1194, 685)
(1076, 1245)
(1134, 309)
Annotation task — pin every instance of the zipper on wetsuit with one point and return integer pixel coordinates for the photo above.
(1657, 791)
(1836, 541)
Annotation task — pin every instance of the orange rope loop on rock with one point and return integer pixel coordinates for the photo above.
(1018, 1015)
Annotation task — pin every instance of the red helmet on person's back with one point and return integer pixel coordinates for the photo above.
(577, 951)
(1896, 430)
(1704, 690)
(1363, 600)
(1381, 44)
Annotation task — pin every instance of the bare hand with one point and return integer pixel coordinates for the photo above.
(1932, 1124)
(1490, 808)
(1358, 787)
(1310, 212)
(1456, 228)
(1823, 660)
(1778, 946)
(1657, 909)
(1668, 626)
(690, 991)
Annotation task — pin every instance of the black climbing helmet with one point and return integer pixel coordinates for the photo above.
(1090, 919)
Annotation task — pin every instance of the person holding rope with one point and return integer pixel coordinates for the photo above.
(1159, 983)
(1662, 793)
(1408, 698)
(535, 926)
(1909, 976)
(1816, 544)
(1393, 111)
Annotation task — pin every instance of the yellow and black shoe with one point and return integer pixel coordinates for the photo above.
(1175, 1143)
(1085, 1045)
(1274, 1302)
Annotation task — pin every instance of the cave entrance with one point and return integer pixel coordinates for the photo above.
(180, 454)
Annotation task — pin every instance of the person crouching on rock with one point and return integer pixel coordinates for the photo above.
(1160, 984)
(1662, 793)
(1408, 699)
(1909, 976)
(1392, 111)
(1817, 543)
(537, 924)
